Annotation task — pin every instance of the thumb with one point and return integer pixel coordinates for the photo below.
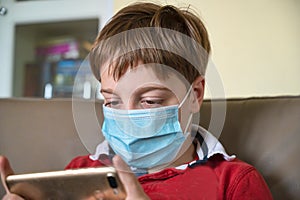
(132, 187)
(5, 170)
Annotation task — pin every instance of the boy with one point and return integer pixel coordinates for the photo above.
(151, 62)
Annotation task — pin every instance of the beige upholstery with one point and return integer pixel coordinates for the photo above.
(40, 135)
(265, 132)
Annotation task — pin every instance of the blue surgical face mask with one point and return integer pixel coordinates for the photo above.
(145, 138)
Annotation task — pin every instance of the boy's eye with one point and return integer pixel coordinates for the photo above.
(151, 103)
(112, 103)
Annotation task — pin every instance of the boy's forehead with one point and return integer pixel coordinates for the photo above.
(145, 75)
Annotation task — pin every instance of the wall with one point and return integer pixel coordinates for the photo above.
(256, 44)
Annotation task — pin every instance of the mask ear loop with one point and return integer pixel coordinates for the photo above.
(188, 123)
(186, 96)
(191, 115)
(186, 134)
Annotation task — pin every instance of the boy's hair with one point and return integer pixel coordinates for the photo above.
(129, 36)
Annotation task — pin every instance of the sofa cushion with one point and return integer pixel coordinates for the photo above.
(41, 135)
(264, 132)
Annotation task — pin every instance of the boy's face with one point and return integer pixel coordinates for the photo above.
(141, 88)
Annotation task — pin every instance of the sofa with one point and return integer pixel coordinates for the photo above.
(44, 135)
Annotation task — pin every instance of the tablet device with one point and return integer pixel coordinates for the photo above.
(74, 184)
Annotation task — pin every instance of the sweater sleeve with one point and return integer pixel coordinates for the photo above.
(249, 185)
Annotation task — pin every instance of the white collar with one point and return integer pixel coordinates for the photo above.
(210, 146)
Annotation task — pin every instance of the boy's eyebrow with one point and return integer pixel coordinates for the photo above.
(152, 87)
(109, 91)
(143, 89)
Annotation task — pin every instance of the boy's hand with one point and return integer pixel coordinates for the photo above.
(6, 170)
(132, 187)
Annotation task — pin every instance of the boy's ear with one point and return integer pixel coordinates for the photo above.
(198, 93)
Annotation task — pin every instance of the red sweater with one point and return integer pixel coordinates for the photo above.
(216, 179)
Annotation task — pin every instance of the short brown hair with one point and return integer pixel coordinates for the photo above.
(139, 17)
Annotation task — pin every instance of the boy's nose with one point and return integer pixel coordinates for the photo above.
(129, 106)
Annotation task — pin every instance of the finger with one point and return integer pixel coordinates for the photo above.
(124, 172)
(5, 170)
(12, 197)
(132, 187)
